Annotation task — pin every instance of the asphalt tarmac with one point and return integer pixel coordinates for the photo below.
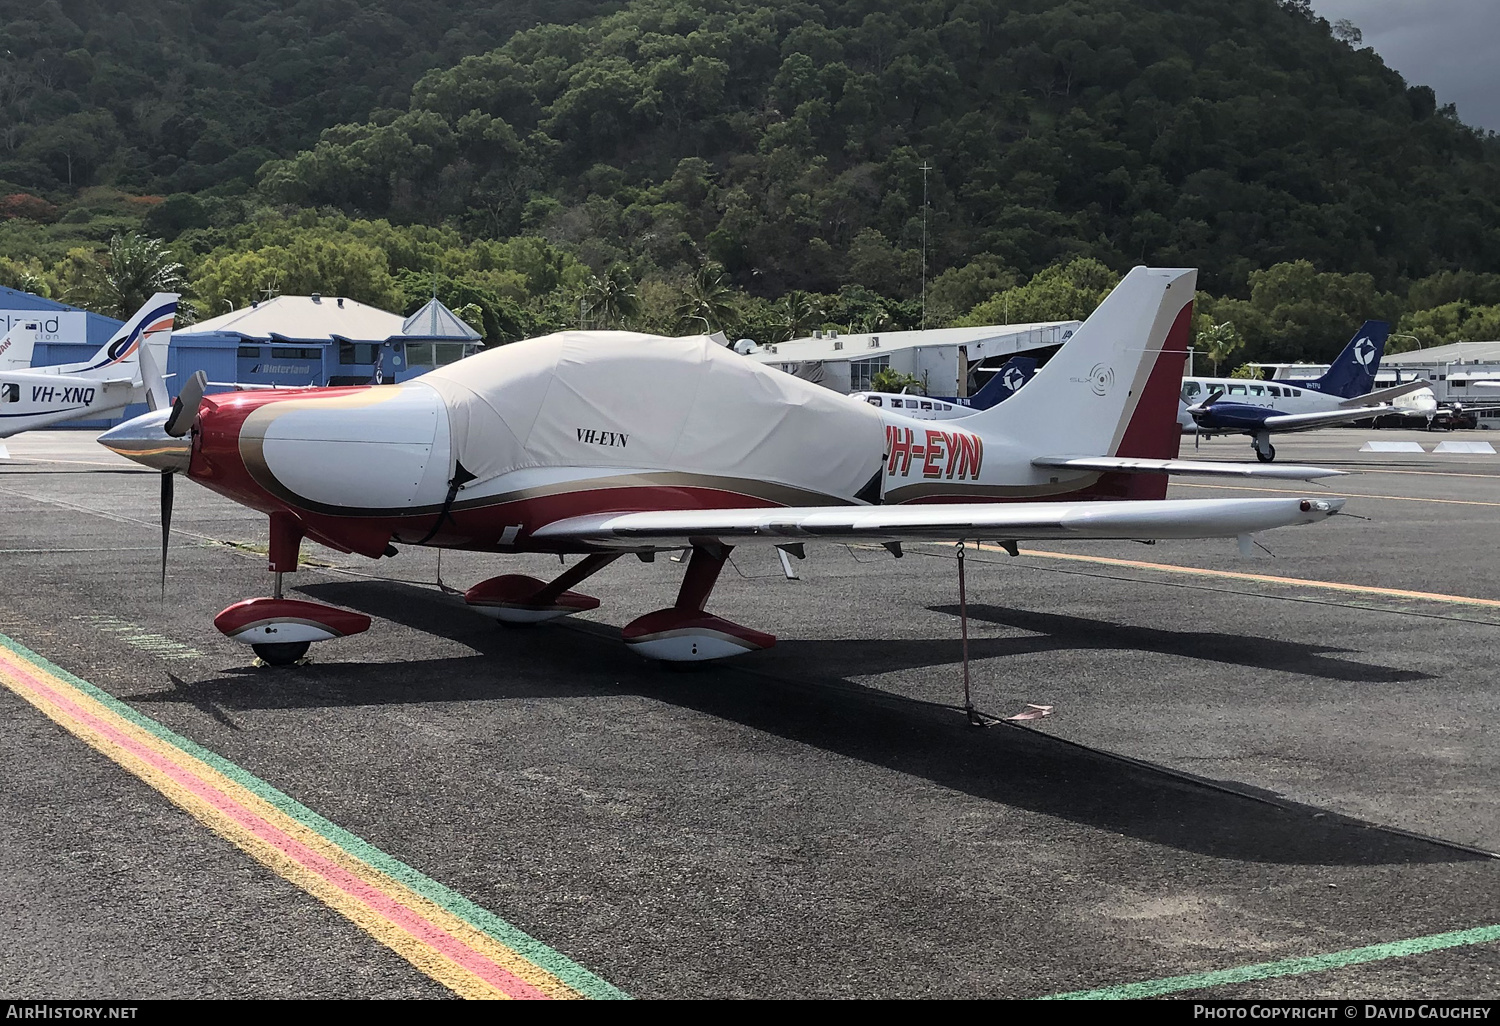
(1243, 765)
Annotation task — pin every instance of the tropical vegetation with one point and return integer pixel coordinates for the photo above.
(672, 165)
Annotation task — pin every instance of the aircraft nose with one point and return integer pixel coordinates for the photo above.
(145, 440)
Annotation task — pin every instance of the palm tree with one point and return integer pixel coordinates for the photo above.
(1219, 342)
(708, 300)
(134, 268)
(796, 314)
(612, 298)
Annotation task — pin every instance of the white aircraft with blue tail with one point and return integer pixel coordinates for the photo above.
(127, 369)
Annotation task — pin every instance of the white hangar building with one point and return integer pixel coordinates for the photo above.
(848, 363)
(1452, 371)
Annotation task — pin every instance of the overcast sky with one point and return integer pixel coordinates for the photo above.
(1451, 45)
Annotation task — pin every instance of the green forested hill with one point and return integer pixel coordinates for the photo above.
(784, 141)
(185, 95)
(755, 165)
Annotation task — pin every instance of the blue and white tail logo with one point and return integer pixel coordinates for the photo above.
(1002, 385)
(1353, 372)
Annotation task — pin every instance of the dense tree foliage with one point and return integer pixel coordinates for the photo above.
(186, 95)
(785, 143)
(760, 169)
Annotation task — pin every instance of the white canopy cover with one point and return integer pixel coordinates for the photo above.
(616, 399)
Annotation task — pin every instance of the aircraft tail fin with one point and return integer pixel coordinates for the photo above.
(1113, 388)
(1353, 372)
(1004, 383)
(150, 328)
(18, 345)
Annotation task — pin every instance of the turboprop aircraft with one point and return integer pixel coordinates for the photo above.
(1226, 406)
(1003, 384)
(128, 369)
(603, 443)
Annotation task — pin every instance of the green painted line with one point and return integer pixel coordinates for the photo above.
(482, 919)
(1286, 967)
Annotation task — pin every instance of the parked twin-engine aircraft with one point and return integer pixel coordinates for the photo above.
(116, 376)
(1227, 406)
(1003, 384)
(607, 443)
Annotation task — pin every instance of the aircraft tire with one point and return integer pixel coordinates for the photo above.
(282, 653)
(1268, 455)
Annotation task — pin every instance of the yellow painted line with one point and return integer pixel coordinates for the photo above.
(470, 951)
(1347, 495)
(1236, 575)
(1425, 473)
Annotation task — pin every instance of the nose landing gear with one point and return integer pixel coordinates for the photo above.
(281, 630)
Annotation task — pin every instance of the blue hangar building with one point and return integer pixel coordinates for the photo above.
(288, 340)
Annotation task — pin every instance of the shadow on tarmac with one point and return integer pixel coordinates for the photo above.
(1060, 631)
(1020, 768)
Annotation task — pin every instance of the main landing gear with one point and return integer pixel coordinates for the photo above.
(681, 633)
(1264, 450)
(280, 630)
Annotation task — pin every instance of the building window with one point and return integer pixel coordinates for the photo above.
(249, 352)
(357, 353)
(288, 353)
(862, 372)
(435, 354)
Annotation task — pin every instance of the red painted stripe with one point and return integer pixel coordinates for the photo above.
(373, 898)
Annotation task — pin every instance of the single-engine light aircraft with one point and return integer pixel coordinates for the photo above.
(607, 443)
(128, 369)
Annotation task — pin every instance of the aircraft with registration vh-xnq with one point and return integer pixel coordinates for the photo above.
(127, 369)
(603, 444)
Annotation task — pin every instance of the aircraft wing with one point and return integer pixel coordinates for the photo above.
(1132, 520)
(1307, 421)
(1385, 395)
(1201, 468)
(36, 376)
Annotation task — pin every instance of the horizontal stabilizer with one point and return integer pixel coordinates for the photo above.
(1143, 519)
(1202, 468)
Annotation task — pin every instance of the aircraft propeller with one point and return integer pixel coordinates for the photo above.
(1198, 409)
(184, 414)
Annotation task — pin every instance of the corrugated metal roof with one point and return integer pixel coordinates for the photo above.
(1468, 352)
(435, 320)
(303, 319)
(858, 346)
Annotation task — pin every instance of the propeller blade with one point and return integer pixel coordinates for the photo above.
(185, 406)
(166, 524)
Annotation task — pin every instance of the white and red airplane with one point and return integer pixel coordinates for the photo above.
(607, 443)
